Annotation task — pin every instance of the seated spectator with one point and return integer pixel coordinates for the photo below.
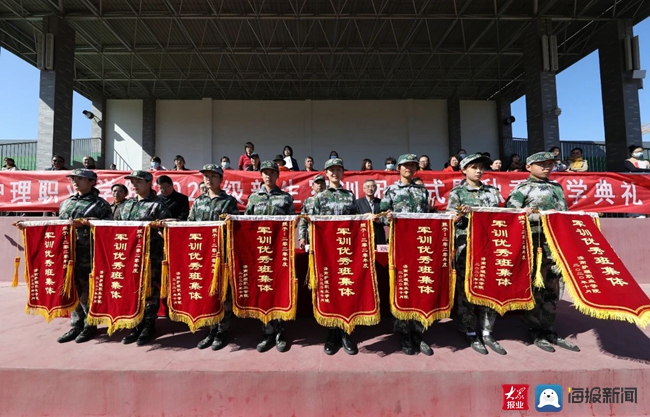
(636, 163)
(334, 155)
(113, 167)
(179, 164)
(496, 165)
(245, 159)
(289, 161)
(203, 188)
(576, 163)
(366, 165)
(88, 162)
(119, 192)
(156, 164)
(460, 154)
(225, 163)
(515, 163)
(281, 164)
(309, 164)
(58, 163)
(424, 163)
(9, 165)
(391, 164)
(255, 162)
(453, 164)
(559, 165)
(177, 203)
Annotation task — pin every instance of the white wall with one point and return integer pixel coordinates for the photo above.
(478, 127)
(123, 126)
(205, 130)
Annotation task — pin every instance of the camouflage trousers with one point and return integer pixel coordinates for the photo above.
(226, 321)
(407, 326)
(274, 326)
(153, 301)
(466, 319)
(542, 316)
(81, 282)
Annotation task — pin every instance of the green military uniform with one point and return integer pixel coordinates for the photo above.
(77, 207)
(149, 208)
(483, 196)
(405, 198)
(542, 195)
(307, 207)
(270, 203)
(207, 208)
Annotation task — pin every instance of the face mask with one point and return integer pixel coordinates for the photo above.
(390, 166)
(462, 155)
(155, 164)
(225, 165)
(332, 156)
(638, 155)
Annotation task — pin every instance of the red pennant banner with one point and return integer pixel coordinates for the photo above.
(261, 251)
(121, 274)
(49, 268)
(609, 192)
(499, 260)
(422, 278)
(596, 278)
(195, 284)
(342, 271)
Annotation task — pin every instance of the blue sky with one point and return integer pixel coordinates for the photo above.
(578, 90)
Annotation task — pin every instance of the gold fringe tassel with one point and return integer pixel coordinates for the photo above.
(14, 282)
(312, 261)
(539, 279)
(164, 279)
(215, 275)
(195, 325)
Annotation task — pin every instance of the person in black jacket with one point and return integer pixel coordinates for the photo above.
(370, 204)
(178, 204)
(289, 161)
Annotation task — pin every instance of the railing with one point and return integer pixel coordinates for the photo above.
(594, 153)
(24, 152)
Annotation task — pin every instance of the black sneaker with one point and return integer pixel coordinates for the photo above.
(348, 345)
(220, 341)
(494, 345)
(332, 342)
(563, 343)
(280, 342)
(207, 340)
(70, 335)
(543, 344)
(420, 344)
(148, 334)
(133, 335)
(86, 334)
(476, 344)
(267, 343)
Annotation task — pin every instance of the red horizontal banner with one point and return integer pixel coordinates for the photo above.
(591, 191)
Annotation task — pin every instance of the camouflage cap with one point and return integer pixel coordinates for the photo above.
(407, 158)
(319, 177)
(212, 168)
(333, 163)
(269, 165)
(475, 157)
(83, 173)
(140, 175)
(540, 157)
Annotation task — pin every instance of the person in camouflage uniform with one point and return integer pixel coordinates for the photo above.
(472, 193)
(85, 204)
(405, 196)
(538, 193)
(270, 200)
(209, 207)
(318, 186)
(335, 201)
(146, 206)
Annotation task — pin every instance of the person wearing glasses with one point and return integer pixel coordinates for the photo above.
(58, 163)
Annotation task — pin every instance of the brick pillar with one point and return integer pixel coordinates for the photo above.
(148, 131)
(620, 93)
(541, 93)
(55, 105)
(505, 129)
(453, 124)
(97, 128)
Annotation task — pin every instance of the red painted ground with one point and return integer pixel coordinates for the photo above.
(171, 377)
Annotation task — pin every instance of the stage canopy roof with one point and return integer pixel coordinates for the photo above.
(308, 49)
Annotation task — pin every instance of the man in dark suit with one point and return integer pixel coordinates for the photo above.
(370, 204)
